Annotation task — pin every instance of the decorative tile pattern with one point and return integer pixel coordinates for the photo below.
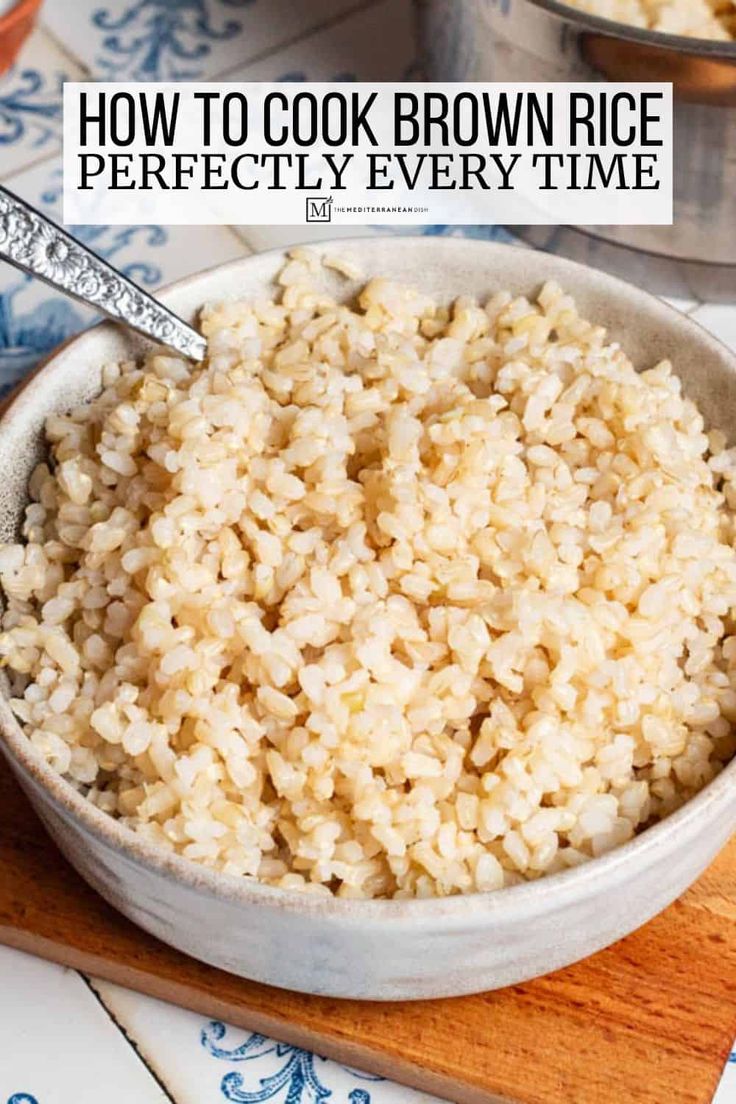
(34, 318)
(298, 1073)
(30, 103)
(154, 39)
(58, 1045)
(206, 1062)
(180, 39)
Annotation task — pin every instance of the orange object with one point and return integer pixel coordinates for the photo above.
(15, 26)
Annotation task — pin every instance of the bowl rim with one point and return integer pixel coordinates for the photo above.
(713, 48)
(523, 900)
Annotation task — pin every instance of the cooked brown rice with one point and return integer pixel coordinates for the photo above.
(384, 600)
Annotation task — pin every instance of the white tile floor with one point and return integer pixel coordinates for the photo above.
(214, 1053)
(62, 1040)
(30, 109)
(58, 1044)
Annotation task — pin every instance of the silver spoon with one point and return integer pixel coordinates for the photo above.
(35, 244)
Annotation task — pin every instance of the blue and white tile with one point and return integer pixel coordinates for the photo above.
(204, 1061)
(30, 102)
(58, 1045)
(181, 39)
(34, 318)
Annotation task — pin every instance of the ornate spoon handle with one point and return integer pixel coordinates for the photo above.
(37, 245)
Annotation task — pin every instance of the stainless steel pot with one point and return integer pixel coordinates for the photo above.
(542, 40)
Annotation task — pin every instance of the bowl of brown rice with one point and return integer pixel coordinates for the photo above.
(390, 652)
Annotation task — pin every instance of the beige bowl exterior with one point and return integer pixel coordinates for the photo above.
(378, 950)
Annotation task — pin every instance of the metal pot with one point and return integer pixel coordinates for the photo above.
(542, 40)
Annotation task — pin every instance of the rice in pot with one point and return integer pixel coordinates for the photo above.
(382, 600)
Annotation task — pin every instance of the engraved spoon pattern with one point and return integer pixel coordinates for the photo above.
(35, 244)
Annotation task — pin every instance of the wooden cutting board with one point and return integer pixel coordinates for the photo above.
(648, 1021)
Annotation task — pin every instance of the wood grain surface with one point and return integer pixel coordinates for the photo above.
(648, 1021)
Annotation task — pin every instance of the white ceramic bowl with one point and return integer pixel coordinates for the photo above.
(381, 950)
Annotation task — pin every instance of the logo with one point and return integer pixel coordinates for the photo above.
(319, 208)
